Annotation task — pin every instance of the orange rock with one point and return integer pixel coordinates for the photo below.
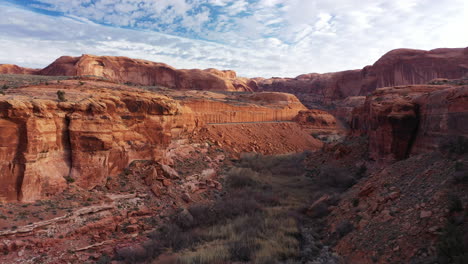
(406, 120)
(103, 127)
(15, 69)
(167, 182)
(142, 72)
(397, 67)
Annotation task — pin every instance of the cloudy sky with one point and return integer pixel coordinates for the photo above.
(253, 37)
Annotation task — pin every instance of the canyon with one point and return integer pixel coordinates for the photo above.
(98, 131)
(98, 152)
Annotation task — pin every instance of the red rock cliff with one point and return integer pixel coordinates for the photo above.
(142, 72)
(397, 67)
(92, 136)
(406, 120)
(15, 69)
(102, 127)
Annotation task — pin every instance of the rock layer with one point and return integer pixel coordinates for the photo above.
(15, 69)
(97, 131)
(85, 140)
(397, 67)
(406, 120)
(148, 73)
(257, 107)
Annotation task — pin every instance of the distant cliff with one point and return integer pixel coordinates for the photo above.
(397, 67)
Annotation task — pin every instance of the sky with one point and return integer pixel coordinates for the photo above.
(253, 37)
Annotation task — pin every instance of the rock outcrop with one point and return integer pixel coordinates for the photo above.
(95, 134)
(397, 67)
(15, 69)
(406, 120)
(98, 128)
(256, 107)
(148, 73)
(320, 124)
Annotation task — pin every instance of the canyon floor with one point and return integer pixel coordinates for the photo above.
(241, 180)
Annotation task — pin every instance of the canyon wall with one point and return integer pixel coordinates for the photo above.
(414, 119)
(95, 132)
(15, 69)
(397, 67)
(45, 142)
(257, 107)
(147, 73)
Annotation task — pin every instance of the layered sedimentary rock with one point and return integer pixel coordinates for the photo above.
(321, 124)
(316, 119)
(443, 118)
(142, 72)
(257, 107)
(99, 128)
(405, 120)
(267, 138)
(91, 137)
(15, 69)
(397, 67)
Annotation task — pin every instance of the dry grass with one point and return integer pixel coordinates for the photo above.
(262, 238)
(253, 222)
(269, 235)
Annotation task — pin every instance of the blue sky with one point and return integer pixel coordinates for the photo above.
(253, 37)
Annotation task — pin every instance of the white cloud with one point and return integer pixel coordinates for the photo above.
(256, 38)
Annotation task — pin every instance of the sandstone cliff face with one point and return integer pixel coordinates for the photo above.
(397, 67)
(142, 72)
(443, 118)
(44, 141)
(411, 119)
(316, 119)
(15, 69)
(102, 127)
(258, 107)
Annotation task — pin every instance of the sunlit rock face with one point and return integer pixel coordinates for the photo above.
(101, 127)
(142, 72)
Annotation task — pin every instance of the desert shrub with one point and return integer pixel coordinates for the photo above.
(361, 172)
(5, 87)
(241, 178)
(236, 206)
(455, 204)
(131, 254)
(318, 211)
(344, 228)
(335, 177)
(69, 179)
(204, 215)
(172, 236)
(61, 96)
(266, 197)
(460, 177)
(288, 165)
(453, 246)
(242, 250)
(104, 259)
(458, 145)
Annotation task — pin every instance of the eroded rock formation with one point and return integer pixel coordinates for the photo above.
(257, 107)
(95, 131)
(413, 119)
(142, 72)
(90, 137)
(15, 69)
(397, 67)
